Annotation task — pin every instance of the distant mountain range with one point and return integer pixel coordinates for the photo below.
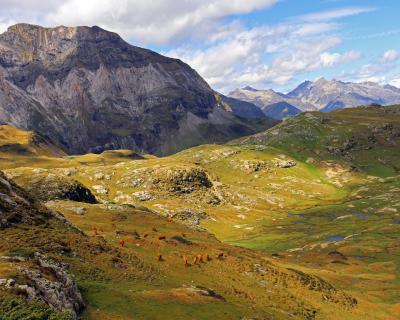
(88, 91)
(321, 95)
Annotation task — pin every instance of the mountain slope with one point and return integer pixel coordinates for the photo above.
(263, 98)
(366, 138)
(280, 110)
(88, 90)
(26, 143)
(243, 109)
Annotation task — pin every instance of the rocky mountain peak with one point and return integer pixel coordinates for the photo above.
(249, 88)
(38, 36)
(322, 94)
(88, 90)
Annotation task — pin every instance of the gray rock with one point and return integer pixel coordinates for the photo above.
(62, 294)
(281, 163)
(143, 195)
(190, 217)
(100, 189)
(78, 210)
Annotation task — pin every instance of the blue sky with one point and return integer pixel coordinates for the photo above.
(232, 43)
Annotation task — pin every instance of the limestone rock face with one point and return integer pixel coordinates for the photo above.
(48, 281)
(88, 90)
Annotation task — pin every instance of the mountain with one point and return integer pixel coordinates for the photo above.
(244, 109)
(88, 90)
(327, 95)
(323, 95)
(280, 110)
(264, 98)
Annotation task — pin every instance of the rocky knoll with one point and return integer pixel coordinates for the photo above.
(88, 90)
(46, 186)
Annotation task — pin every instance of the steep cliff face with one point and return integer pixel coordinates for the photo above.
(89, 90)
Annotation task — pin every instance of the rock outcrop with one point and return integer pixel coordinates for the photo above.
(88, 90)
(17, 206)
(46, 186)
(48, 281)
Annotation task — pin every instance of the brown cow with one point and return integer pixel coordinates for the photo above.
(122, 243)
(162, 237)
(160, 257)
(154, 229)
(220, 255)
(145, 235)
(95, 232)
(200, 258)
(206, 257)
(185, 260)
(195, 260)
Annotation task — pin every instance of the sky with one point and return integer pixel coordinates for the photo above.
(234, 43)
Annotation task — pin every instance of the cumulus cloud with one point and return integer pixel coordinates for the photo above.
(383, 69)
(243, 58)
(143, 21)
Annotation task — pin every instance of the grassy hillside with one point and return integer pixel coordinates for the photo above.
(145, 276)
(319, 193)
(26, 143)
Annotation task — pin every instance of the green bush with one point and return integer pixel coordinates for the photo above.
(19, 309)
(21, 252)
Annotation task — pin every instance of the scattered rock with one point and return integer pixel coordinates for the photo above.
(78, 210)
(143, 195)
(99, 176)
(100, 189)
(204, 292)
(281, 163)
(191, 218)
(250, 166)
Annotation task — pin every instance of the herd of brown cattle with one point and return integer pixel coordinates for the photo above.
(200, 258)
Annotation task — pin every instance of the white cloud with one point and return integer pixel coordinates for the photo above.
(241, 59)
(335, 14)
(395, 82)
(143, 21)
(383, 69)
(390, 56)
